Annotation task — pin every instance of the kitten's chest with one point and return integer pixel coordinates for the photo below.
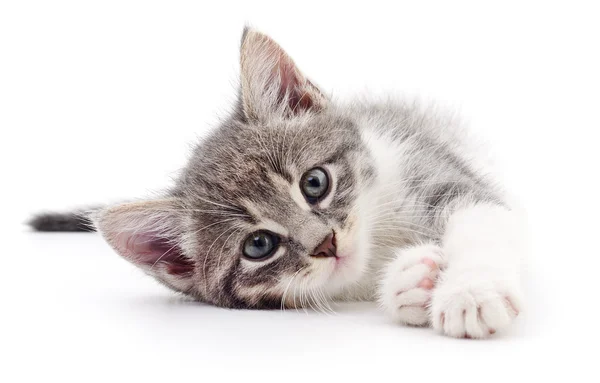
(393, 214)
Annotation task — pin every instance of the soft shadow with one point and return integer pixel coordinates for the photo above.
(167, 301)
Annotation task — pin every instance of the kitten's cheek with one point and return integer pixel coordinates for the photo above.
(343, 259)
(340, 263)
(345, 251)
(337, 262)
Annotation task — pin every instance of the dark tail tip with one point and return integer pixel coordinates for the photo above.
(73, 222)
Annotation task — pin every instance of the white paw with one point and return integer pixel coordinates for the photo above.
(474, 305)
(406, 286)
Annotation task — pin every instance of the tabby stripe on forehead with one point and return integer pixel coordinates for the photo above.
(338, 155)
(276, 168)
(286, 175)
(266, 184)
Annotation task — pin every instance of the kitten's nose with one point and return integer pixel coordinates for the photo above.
(327, 248)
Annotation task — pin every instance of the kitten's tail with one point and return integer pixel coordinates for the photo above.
(74, 221)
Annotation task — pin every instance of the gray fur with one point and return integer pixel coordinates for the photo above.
(241, 175)
(70, 221)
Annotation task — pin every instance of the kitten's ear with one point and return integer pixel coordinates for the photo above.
(149, 235)
(271, 82)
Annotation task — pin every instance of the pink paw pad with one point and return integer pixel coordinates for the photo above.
(512, 306)
(429, 262)
(426, 284)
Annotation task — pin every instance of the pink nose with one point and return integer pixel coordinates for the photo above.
(327, 248)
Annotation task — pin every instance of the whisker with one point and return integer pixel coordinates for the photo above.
(287, 288)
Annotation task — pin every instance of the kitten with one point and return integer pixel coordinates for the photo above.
(295, 201)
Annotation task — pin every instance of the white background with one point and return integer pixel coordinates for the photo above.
(101, 102)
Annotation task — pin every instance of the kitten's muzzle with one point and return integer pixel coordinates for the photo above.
(327, 248)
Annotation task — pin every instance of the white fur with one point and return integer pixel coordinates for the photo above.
(480, 291)
(482, 245)
(400, 294)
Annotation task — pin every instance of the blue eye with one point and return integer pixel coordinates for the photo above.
(260, 245)
(314, 185)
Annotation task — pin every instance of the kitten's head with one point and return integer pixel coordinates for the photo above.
(268, 209)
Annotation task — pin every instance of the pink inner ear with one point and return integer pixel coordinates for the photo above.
(298, 98)
(149, 250)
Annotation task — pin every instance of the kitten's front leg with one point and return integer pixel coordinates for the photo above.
(479, 292)
(408, 281)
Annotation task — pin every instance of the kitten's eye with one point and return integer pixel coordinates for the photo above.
(260, 245)
(314, 185)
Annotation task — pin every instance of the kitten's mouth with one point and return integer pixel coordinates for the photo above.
(336, 251)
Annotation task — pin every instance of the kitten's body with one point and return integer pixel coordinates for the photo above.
(407, 217)
(425, 172)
